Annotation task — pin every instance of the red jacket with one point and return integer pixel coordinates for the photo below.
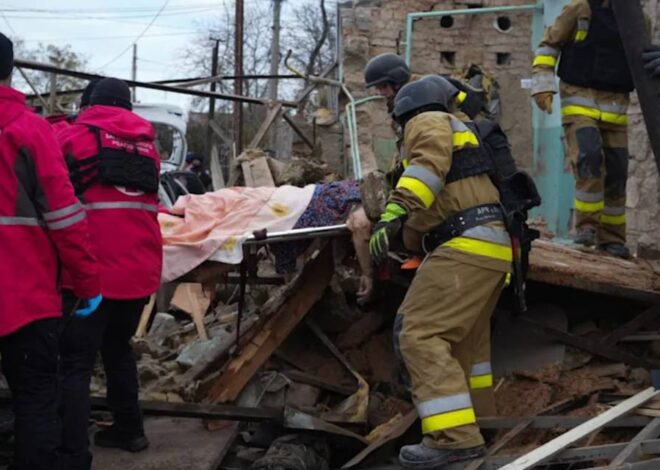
(123, 222)
(41, 221)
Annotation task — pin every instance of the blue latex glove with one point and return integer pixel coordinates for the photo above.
(89, 306)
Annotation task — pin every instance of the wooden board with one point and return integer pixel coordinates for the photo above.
(310, 287)
(590, 270)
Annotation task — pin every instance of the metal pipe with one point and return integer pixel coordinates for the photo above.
(298, 234)
(28, 64)
(410, 19)
(350, 111)
(351, 118)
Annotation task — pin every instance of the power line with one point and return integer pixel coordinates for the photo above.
(49, 15)
(94, 38)
(121, 10)
(74, 18)
(139, 35)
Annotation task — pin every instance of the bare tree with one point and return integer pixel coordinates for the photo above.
(256, 47)
(311, 36)
(63, 57)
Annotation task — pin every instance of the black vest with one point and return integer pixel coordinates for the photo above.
(599, 61)
(468, 162)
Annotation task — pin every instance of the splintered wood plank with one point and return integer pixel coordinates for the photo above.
(144, 318)
(191, 299)
(633, 450)
(311, 283)
(590, 270)
(548, 450)
(266, 125)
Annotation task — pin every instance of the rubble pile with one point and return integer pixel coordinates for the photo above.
(338, 366)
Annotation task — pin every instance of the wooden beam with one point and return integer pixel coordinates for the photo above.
(592, 346)
(311, 284)
(298, 131)
(560, 443)
(273, 113)
(632, 326)
(551, 422)
(633, 450)
(309, 379)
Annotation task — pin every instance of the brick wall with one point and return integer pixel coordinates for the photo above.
(371, 27)
(377, 26)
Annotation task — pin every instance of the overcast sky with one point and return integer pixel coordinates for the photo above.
(104, 31)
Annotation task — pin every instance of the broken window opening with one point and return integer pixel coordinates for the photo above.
(448, 57)
(503, 58)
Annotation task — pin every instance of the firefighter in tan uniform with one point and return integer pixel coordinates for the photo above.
(388, 73)
(594, 89)
(446, 206)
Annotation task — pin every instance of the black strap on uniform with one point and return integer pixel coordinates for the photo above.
(459, 223)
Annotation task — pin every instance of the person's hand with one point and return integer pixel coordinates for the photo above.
(365, 290)
(651, 59)
(544, 101)
(389, 225)
(88, 306)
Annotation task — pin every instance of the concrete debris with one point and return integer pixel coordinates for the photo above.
(197, 350)
(295, 452)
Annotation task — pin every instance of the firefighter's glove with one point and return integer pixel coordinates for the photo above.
(387, 228)
(651, 59)
(88, 306)
(544, 101)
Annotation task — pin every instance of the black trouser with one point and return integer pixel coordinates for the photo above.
(29, 362)
(109, 330)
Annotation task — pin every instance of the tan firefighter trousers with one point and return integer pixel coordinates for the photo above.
(442, 333)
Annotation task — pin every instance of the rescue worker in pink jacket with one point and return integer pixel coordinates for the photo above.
(114, 167)
(43, 228)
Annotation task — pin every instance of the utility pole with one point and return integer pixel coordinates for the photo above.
(238, 72)
(275, 50)
(134, 71)
(214, 72)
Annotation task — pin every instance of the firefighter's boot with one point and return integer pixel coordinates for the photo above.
(420, 457)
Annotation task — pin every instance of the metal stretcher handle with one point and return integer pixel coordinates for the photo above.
(297, 234)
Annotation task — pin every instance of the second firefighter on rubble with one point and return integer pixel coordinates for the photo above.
(445, 205)
(594, 88)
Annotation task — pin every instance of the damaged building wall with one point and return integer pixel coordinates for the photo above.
(503, 48)
(372, 27)
(643, 202)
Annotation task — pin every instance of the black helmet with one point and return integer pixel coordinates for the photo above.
(444, 83)
(421, 96)
(386, 68)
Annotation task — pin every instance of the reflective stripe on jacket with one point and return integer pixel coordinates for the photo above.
(431, 141)
(572, 26)
(42, 224)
